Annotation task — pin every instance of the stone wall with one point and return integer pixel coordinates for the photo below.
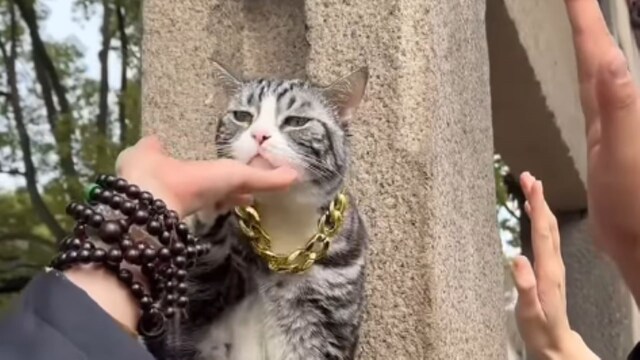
(423, 143)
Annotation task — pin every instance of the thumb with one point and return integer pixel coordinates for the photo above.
(617, 101)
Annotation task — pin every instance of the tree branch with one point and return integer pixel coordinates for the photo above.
(61, 124)
(103, 104)
(38, 203)
(34, 238)
(124, 48)
(12, 172)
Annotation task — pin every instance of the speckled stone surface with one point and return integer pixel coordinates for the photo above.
(423, 144)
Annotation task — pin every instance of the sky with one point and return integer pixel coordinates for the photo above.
(85, 34)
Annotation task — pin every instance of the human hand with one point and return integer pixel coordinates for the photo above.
(612, 111)
(188, 186)
(541, 310)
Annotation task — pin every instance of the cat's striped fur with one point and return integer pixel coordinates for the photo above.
(239, 310)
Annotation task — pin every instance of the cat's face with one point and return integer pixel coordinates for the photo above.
(272, 123)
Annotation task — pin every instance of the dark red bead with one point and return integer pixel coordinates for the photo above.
(120, 185)
(191, 252)
(87, 214)
(190, 240)
(183, 230)
(75, 243)
(110, 231)
(170, 313)
(87, 245)
(105, 196)
(140, 217)
(159, 205)
(63, 259)
(170, 298)
(78, 210)
(126, 243)
(182, 302)
(137, 290)
(181, 288)
(149, 255)
(98, 255)
(100, 179)
(128, 207)
(84, 256)
(170, 285)
(164, 254)
(165, 238)
(124, 224)
(126, 276)
(133, 191)
(170, 221)
(146, 301)
(154, 227)
(80, 231)
(71, 208)
(116, 201)
(168, 273)
(180, 261)
(181, 274)
(146, 197)
(72, 256)
(177, 248)
(114, 255)
(95, 220)
(132, 256)
(109, 181)
(148, 270)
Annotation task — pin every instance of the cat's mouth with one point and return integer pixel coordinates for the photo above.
(261, 162)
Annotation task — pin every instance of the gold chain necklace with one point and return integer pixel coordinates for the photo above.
(302, 259)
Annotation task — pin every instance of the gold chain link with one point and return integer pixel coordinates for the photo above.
(302, 259)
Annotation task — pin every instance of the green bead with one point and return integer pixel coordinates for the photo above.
(90, 191)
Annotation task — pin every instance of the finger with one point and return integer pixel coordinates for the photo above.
(151, 143)
(552, 223)
(239, 200)
(526, 180)
(528, 307)
(618, 102)
(541, 239)
(240, 178)
(591, 39)
(590, 35)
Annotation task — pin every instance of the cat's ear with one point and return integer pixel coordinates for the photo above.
(227, 79)
(346, 93)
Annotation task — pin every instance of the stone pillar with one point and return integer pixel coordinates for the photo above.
(423, 149)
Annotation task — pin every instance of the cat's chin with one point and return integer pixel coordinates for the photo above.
(261, 163)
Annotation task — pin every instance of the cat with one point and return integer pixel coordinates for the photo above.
(238, 308)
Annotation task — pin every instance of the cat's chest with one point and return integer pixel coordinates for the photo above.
(249, 331)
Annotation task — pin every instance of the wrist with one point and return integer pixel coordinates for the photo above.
(569, 347)
(103, 287)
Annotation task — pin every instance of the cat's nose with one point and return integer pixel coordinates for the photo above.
(261, 137)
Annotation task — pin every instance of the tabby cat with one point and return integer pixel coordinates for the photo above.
(239, 309)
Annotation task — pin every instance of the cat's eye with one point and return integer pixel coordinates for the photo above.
(244, 117)
(296, 121)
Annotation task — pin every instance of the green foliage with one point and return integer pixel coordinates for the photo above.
(59, 105)
(506, 205)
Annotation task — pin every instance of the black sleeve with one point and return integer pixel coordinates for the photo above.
(55, 320)
(635, 353)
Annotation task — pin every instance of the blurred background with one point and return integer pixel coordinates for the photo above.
(69, 102)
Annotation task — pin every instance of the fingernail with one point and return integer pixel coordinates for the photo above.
(618, 67)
